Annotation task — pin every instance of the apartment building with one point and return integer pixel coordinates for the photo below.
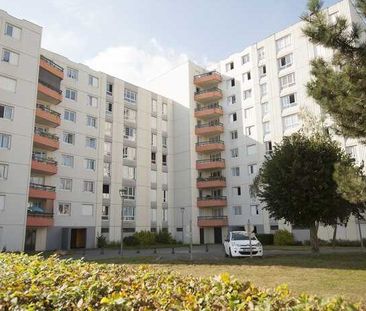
(77, 144)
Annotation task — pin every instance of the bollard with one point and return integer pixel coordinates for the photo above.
(138, 251)
(173, 252)
(155, 250)
(189, 250)
(206, 248)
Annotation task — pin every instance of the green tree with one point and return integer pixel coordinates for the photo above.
(339, 85)
(296, 183)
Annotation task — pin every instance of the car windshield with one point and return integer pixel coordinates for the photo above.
(240, 237)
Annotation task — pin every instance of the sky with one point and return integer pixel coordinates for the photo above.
(137, 40)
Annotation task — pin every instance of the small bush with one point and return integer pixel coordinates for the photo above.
(283, 237)
(131, 241)
(145, 238)
(164, 237)
(265, 238)
(101, 241)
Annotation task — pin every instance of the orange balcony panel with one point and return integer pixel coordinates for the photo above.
(39, 220)
(213, 221)
(48, 95)
(207, 79)
(37, 193)
(45, 143)
(47, 118)
(210, 165)
(215, 183)
(208, 113)
(211, 202)
(44, 168)
(51, 67)
(209, 130)
(210, 147)
(208, 96)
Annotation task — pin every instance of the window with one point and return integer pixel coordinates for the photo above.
(90, 164)
(2, 207)
(70, 115)
(153, 140)
(88, 186)
(64, 208)
(153, 157)
(164, 141)
(263, 89)
(165, 160)
(87, 210)
(67, 160)
(108, 107)
(10, 57)
(129, 115)
(129, 153)
(5, 141)
(92, 101)
(129, 172)
(130, 96)
(229, 66)
(66, 184)
(91, 142)
(93, 81)
(4, 171)
(237, 210)
(283, 42)
(234, 153)
(109, 88)
(230, 83)
(249, 130)
(285, 61)
(71, 94)
(72, 73)
(106, 191)
(251, 149)
(287, 81)
(105, 212)
(8, 84)
(154, 107)
(233, 117)
(129, 213)
(6, 112)
(247, 94)
(129, 193)
(254, 210)
(165, 215)
(153, 122)
(290, 121)
(107, 169)
(351, 151)
(91, 121)
(234, 134)
(12, 31)
(165, 178)
(68, 138)
(288, 101)
(231, 100)
(252, 169)
(235, 171)
(265, 108)
(130, 133)
(165, 196)
(164, 126)
(260, 53)
(247, 76)
(248, 113)
(245, 59)
(153, 176)
(266, 128)
(108, 128)
(107, 148)
(268, 147)
(262, 71)
(236, 191)
(164, 108)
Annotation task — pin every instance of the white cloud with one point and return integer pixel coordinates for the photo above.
(137, 65)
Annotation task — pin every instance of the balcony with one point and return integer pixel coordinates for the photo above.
(210, 146)
(49, 93)
(211, 182)
(209, 95)
(209, 111)
(212, 221)
(38, 191)
(43, 166)
(39, 218)
(209, 164)
(51, 67)
(45, 140)
(219, 201)
(46, 116)
(207, 79)
(209, 129)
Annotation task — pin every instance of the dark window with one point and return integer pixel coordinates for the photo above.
(232, 82)
(153, 157)
(164, 159)
(129, 229)
(179, 229)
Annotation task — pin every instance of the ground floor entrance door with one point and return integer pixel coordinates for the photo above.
(218, 235)
(202, 236)
(30, 239)
(78, 238)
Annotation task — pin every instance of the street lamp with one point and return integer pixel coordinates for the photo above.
(122, 193)
(182, 211)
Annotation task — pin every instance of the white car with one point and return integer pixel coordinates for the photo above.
(237, 245)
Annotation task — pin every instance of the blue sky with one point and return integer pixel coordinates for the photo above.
(132, 38)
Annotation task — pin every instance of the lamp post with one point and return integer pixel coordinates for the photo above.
(122, 193)
(182, 211)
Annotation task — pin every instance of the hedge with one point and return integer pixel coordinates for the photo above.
(34, 283)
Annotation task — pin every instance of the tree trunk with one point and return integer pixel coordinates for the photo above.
(334, 236)
(314, 241)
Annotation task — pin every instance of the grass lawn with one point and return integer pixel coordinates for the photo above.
(324, 275)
